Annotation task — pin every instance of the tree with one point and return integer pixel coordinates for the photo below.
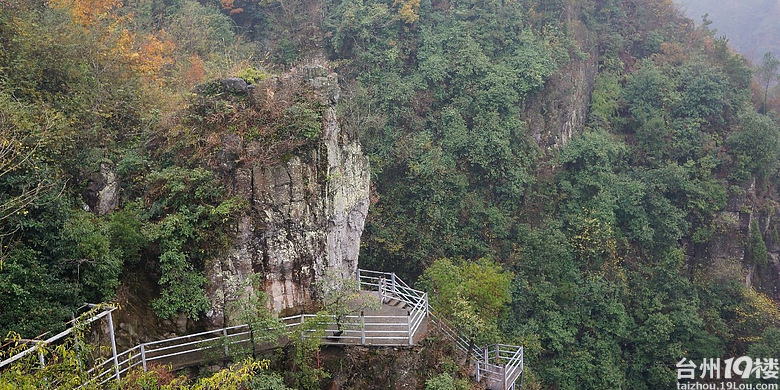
(755, 147)
(305, 342)
(182, 287)
(766, 74)
(87, 248)
(25, 176)
(251, 308)
(16, 154)
(471, 295)
(409, 10)
(755, 250)
(340, 296)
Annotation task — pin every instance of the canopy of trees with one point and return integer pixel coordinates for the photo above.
(597, 255)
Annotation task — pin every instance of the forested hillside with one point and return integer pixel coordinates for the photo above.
(588, 178)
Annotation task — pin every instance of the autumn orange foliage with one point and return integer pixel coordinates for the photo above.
(408, 9)
(116, 45)
(230, 5)
(87, 12)
(154, 53)
(196, 72)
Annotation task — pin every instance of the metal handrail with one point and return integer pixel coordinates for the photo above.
(499, 364)
(371, 337)
(503, 374)
(54, 338)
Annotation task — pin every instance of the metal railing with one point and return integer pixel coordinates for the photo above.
(177, 352)
(221, 344)
(370, 330)
(499, 365)
(105, 311)
(225, 343)
(389, 287)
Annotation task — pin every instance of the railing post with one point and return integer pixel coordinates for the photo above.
(113, 345)
(362, 329)
(40, 358)
(409, 325)
(252, 341)
(478, 374)
(381, 287)
(520, 368)
(503, 374)
(225, 343)
(485, 353)
(143, 356)
(392, 283)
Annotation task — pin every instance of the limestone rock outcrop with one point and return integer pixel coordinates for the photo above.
(306, 212)
(560, 110)
(101, 194)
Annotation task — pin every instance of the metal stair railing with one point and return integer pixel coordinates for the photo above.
(501, 365)
(389, 286)
(105, 311)
(217, 344)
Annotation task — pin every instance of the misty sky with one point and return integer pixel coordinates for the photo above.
(750, 25)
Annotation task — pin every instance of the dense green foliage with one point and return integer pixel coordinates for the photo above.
(471, 295)
(444, 131)
(444, 381)
(605, 250)
(613, 278)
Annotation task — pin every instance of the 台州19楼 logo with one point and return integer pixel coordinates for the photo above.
(743, 373)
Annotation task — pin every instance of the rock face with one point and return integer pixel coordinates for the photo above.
(726, 253)
(560, 110)
(306, 215)
(101, 195)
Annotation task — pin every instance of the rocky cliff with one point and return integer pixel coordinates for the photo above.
(728, 253)
(560, 110)
(306, 212)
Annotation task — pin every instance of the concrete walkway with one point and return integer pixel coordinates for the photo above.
(385, 324)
